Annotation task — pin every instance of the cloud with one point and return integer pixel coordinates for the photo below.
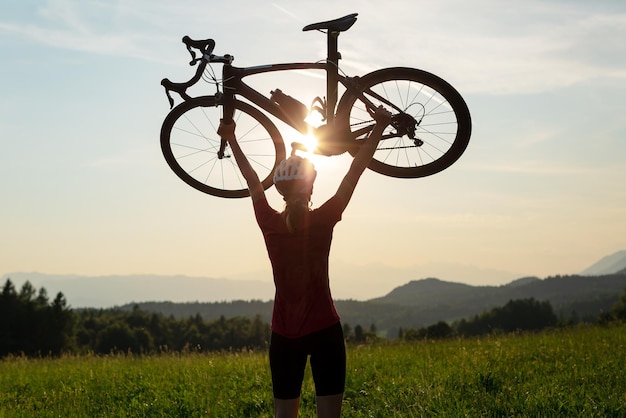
(137, 157)
(521, 49)
(93, 27)
(525, 48)
(289, 13)
(530, 168)
(123, 45)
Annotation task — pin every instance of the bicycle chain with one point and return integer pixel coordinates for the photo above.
(392, 148)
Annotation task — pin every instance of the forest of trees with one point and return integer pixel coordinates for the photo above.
(32, 325)
(516, 315)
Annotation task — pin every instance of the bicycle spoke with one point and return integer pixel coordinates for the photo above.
(191, 144)
(427, 134)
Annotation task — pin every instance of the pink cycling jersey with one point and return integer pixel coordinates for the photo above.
(303, 302)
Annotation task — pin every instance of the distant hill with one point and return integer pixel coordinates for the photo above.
(108, 291)
(429, 292)
(412, 305)
(523, 281)
(348, 282)
(610, 264)
(425, 302)
(558, 290)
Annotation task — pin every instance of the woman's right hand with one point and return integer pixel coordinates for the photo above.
(381, 115)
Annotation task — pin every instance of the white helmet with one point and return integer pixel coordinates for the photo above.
(294, 175)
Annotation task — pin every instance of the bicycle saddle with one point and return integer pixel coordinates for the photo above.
(337, 25)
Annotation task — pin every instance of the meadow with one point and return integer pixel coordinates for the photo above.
(575, 372)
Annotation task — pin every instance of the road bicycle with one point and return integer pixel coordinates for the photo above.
(429, 130)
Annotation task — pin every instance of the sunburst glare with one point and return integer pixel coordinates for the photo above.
(309, 143)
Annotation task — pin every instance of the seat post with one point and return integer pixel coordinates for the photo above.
(332, 75)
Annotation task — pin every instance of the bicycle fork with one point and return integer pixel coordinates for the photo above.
(228, 108)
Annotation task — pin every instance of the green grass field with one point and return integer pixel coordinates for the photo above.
(579, 372)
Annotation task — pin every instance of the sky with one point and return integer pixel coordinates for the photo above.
(539, 191)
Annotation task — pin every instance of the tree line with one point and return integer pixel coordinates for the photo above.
(516, 315)
(424, 302)
(32, 325)
(520, 315)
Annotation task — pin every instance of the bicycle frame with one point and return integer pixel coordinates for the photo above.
(235, 86)
(233, 78)
(330, 141)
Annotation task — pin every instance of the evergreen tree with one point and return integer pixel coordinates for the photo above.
(619, 309)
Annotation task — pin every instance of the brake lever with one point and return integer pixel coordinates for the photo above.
(187, 42)
(167, 85)
(169, 97)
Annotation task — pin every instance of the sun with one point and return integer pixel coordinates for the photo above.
(307, 144)
(310, 142)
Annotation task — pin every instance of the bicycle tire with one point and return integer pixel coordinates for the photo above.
(189, 142)
(444, 122)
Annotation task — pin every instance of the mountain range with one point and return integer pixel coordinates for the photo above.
(610, 264)
(109, 291)
(360, 282)
(424, 302)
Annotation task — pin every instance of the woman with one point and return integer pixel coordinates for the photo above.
(304, 320)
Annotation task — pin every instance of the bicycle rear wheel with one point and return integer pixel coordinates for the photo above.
(190, 143)
(426, 107)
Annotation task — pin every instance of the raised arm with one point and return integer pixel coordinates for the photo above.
(363, 157)
(227, 132)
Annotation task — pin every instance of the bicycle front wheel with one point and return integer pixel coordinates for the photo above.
(190, 144)
(432, 121)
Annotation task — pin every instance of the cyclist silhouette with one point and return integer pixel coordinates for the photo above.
(304, 320)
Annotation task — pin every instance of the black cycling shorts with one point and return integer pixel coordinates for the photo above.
(288, 357)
